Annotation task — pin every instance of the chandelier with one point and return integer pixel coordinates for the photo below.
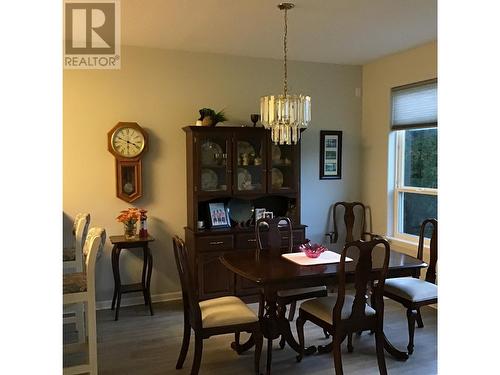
(285, 114)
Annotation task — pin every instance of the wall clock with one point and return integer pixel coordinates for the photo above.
(128, 142)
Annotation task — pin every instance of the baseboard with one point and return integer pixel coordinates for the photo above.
(139, 300)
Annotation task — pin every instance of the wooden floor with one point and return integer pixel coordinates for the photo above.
(140, 344)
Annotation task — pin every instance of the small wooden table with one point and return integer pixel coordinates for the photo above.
(273, 273)
(119, 243)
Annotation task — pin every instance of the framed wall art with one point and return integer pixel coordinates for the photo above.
(330, 156)
(218, 215)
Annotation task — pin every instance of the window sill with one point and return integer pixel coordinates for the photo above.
(404, 246)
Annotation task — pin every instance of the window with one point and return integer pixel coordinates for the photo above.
(414, 121)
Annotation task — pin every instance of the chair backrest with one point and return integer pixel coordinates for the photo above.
(430, 276)
(94, 244)
(363, 276)
(274, 230)
(189, 293)
(352, 211)
(80, 229)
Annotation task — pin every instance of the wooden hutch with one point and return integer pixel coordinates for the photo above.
(241, 168)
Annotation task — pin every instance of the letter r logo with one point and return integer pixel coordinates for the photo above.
(90, 28)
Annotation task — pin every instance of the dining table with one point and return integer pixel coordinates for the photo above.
(271, 273)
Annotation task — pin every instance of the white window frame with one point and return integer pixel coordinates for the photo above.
(399, 188)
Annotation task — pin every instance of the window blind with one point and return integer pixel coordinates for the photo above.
(414, 106)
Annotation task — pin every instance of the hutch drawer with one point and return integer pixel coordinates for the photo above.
(215, 243)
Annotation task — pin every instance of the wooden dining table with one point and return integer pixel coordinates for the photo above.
(272, 273)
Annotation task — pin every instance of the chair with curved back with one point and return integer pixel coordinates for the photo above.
(217, 316)
(277, 242)
(342, 314)
(73, 256)
(354, 220)
(73, 260)
(412, 292)
(79, 288)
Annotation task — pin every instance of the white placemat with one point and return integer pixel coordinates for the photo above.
(324, 258)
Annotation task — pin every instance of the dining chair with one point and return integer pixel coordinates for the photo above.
(412, 292)
(277, 243)
(354, 223)
(73, 262)
(217, 316)
(341, 314)
(79, 287)
(73, 256)
(352, 227)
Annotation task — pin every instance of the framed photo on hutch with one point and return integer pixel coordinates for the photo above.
(330, 154)
(218, 215)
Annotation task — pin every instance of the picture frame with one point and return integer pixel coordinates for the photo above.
(259, 213)
(268, 215)
(218, 215)
(330, 156)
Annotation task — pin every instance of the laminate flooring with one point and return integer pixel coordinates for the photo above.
(140, 344)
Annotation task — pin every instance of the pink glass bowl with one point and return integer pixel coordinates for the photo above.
(312, 250)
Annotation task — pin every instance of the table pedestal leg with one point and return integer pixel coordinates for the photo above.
(397, 354)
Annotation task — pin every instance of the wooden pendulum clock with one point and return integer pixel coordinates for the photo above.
(128, 142)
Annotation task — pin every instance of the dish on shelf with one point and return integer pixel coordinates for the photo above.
(276, 178)
(244, 179)
(211, 153)
(245, 147)
(240, 211)
(209, 180)
(276, 154)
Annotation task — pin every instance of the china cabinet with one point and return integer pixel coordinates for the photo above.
(242, 169)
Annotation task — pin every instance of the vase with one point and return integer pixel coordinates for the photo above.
(130, 230)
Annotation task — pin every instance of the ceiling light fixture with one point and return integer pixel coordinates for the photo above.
(285, 114)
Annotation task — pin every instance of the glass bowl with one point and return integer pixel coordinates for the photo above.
(312, 250)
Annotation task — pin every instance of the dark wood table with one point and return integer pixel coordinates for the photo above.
(273, 273)
(119, 243)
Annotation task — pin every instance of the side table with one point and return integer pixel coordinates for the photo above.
(119, 243)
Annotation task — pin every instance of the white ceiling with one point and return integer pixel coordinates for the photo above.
(334, 31)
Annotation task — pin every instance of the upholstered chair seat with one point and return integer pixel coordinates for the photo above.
(225, 311)
(74, 282)
(322, 307)
(412, 289)
(300, 291)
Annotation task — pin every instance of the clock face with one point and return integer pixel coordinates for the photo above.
(127, 142)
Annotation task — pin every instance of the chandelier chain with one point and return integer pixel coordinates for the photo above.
(285, 79)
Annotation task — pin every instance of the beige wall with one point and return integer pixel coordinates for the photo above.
(379, 77)
(162, 91)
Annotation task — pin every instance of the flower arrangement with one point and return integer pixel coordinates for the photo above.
(209, 117)
(129, 218)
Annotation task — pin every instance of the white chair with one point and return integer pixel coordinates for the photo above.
(73, 262)
(73, 257)
(79, 287)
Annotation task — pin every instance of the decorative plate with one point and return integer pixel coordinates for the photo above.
(209, 150)
(244, 179)
(276, 153)
(276, 178)
(245, 147)
(240, 211)
(209, 179)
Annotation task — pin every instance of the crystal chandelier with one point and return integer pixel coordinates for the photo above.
(285, 114)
